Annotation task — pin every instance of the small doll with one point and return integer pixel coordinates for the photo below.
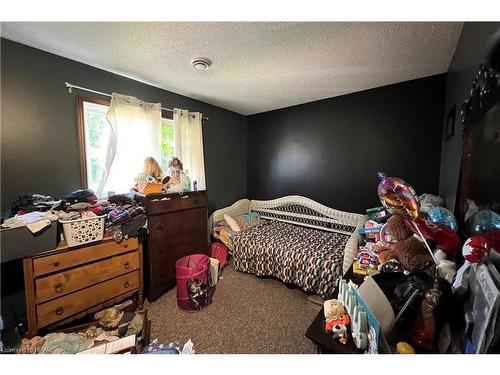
(151, 172)
(176, 174)
(336, 319)
(118, 323)
(424, 330)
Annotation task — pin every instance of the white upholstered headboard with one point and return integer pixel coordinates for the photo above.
(240, 207)
(299, 210)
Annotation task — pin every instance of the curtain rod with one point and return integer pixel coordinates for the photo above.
(70, 86)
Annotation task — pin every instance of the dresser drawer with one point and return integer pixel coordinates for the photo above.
(65, 282)
(163, 205)
(193, 201)
(66, 259)
(60, 308)
(176, 202)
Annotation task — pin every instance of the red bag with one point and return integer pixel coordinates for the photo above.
(220, 252)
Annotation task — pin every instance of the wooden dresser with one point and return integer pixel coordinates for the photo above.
(64, 283)
(177, 226)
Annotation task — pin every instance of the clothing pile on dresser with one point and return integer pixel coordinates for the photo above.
(123, 215)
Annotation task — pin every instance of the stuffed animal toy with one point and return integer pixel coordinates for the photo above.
(336, 319)
(408, 249)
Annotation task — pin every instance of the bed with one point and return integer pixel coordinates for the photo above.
(299, 241)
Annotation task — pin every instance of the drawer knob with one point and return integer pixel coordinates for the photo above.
(126, 284)
(56, 264)
(59, 310)
(58, 288)
(126, 265)
(159, 227)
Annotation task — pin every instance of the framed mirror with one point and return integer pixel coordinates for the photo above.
(479, 183)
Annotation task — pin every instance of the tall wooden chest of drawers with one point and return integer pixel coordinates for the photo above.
(177, 226)
(65, 283)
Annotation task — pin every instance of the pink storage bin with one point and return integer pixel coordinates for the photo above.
(220, 252)
(192, 272)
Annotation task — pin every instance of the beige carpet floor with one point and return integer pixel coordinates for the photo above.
(247, 315)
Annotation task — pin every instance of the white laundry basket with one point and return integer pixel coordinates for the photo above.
(82, 231)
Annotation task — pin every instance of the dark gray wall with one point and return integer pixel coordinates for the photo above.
(470, 52)
(39, 137)
(330, 150)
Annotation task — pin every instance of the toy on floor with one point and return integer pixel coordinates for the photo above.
(31, 346)
(336, 320)
(65, 343)
(118, 323)
(172, 348)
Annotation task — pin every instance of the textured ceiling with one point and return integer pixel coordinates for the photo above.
(256, 66)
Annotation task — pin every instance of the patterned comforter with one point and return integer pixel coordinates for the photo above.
(309, 258)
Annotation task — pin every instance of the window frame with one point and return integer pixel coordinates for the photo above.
(80, 125)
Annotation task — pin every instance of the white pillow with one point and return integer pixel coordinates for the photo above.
(232, 223)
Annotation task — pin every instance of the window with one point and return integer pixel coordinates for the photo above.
(94, 132)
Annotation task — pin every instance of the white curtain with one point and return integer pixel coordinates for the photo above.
(135, 135)
(189, 144)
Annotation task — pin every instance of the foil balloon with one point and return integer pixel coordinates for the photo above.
(442, 216)
(475, 250)
(398, 197)
(482, 222)
(444, 238)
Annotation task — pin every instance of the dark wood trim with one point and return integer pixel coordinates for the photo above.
(141, 278)
(80, 125)
(29, 295)
(483, 96)
(464, 178)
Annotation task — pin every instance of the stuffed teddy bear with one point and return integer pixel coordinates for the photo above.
(408, 250)
(336, 319)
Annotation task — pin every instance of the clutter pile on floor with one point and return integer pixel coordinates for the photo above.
(408, 257)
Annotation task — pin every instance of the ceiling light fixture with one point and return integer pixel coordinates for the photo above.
(201, 63)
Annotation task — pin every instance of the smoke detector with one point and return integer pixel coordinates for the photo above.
(201, 63)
